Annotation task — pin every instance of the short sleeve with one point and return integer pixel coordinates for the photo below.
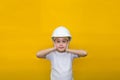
(49, 56)
(74, 55)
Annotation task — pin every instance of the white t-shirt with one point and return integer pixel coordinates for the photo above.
(61, 65)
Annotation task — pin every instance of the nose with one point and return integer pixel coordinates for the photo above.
(61, 44)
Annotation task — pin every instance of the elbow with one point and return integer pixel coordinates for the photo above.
(38, 55)
(83, 53)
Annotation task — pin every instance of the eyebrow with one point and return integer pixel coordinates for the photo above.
(63, 39)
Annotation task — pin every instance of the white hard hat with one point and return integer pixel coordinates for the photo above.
(61, 31)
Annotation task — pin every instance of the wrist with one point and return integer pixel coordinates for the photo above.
(67, 50)
(53, 49)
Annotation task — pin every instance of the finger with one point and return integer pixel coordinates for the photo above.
(67, 46)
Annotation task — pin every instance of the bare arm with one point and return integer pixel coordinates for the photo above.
(81, 53)
(43, 53)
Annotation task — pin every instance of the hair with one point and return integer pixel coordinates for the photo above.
(69, 38)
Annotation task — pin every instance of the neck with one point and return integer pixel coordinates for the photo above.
(61, 51)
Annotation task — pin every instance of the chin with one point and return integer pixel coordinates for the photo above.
(61, 50)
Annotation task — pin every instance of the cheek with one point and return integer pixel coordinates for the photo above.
(56, 45)
(65, 45)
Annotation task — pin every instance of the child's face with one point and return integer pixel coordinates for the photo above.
(61, 44)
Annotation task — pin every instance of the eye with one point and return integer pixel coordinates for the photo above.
(58, 41)
(64, 41)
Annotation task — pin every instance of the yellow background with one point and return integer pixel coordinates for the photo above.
(26, 27)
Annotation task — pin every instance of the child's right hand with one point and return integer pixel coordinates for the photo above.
(67, 47)
(54, 48)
